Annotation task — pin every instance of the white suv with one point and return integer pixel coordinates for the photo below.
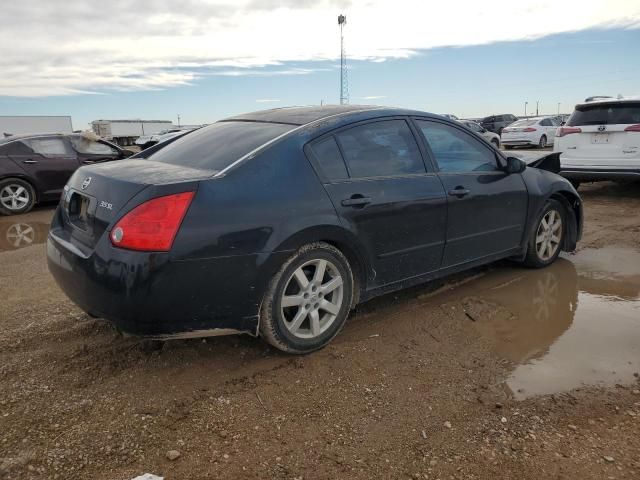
(601, 141)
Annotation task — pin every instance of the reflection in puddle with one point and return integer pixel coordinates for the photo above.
(16, 234)
(572, 324)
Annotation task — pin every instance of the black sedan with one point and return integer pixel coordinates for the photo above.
(35, 168)
(277, 223)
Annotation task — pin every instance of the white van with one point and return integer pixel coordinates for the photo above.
(601, 141)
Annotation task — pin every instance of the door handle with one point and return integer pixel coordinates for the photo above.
(459, 192)
(356, 201)
(29, 162)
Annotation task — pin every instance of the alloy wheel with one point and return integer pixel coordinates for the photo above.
(312, 298)
(543, 142)
(14, 197)
(549, 235)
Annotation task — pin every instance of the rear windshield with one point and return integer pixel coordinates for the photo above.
(605, 114)
(524, 123)
(219, 145)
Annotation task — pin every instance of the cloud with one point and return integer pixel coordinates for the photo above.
(371, 97)
(73, 47)
(267, 100)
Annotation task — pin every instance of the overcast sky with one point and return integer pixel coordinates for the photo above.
(52, 48)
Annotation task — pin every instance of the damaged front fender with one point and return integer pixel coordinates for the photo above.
(550, 163)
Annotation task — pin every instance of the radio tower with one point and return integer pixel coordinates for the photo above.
(344, 81)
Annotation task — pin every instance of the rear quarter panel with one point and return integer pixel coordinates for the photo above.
(263, 209)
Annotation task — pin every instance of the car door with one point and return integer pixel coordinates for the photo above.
(49, 162)
(487, 207)
(375, 175)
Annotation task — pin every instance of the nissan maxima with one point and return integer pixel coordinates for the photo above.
(277, 223)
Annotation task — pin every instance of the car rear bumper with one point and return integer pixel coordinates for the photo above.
(593, 174)
(148, 294)
(516, 143)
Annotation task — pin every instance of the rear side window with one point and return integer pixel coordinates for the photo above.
(381, 149)
(329, 159)
(607, 114)
(546, 123)
(219, 145)
(49, 147)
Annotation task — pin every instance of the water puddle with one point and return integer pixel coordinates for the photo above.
(16, 234)
(572, 324)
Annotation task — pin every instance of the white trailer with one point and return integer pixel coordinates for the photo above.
(125, 132)
(21, 124)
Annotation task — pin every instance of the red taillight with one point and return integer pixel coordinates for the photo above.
(562, 131)
(529, 129)
(153, 225)
(632, 128)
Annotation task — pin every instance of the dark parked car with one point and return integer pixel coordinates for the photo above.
(495, 123)
(35, 168)
(277, 223)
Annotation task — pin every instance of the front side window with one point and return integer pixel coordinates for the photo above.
(329, 159)
(456, 150)
(49, 147)
(380, 149)
(474, 127)
(91, 147)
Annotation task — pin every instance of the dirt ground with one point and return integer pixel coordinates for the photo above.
(501, 373)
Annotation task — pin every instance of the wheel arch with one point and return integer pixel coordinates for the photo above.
(26, 179)
(573, 208)
(338, 237)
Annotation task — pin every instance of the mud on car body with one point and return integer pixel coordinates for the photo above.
(276, 223)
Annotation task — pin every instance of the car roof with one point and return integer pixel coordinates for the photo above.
(305, 115)
(610, 100)
(23, 136)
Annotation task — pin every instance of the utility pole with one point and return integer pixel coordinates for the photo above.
(178, 119)
(525, 108)
(558, 108)
(537, 102)
(344, 81)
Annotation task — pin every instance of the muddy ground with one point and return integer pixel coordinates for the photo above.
(501, 373)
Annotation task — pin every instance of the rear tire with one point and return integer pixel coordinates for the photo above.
(547, 236)
(16, 196)
(543, 141)
(307, 302)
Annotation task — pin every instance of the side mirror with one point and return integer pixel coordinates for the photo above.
(515, 165)
(563, 124)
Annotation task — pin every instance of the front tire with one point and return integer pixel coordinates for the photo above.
(16, 196)
(547, 237)
(308, 300)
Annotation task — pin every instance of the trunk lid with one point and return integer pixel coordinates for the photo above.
(95, 196)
